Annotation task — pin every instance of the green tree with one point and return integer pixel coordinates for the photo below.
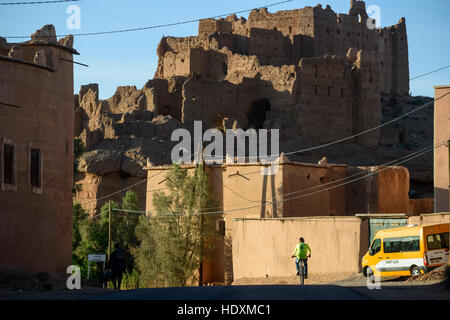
(78, 218)
(125, 223)
(91, 235)
(175, 240)
(93, 239)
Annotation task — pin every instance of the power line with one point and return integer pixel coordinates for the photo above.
(129, 187)
(410, 157)
(397, 162)
(422, 152)
(390, 163)
(346, 138)
(292, 152)
(100, 214)
(369, 130)
(292, 198)
(119, 191)
(425, 74)
(302, 150)
(35, 2)
(422, 75)
(310, 188)
(368, 175)
(339, 185)
(161, 25)
(236, 194)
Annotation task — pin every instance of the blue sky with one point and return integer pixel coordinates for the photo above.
(130, 58)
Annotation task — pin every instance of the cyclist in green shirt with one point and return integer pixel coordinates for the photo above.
(301, 253)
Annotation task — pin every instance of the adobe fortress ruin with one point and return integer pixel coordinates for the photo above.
(314, 74)
(290, 69)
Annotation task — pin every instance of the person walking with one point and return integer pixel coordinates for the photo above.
(117, 265)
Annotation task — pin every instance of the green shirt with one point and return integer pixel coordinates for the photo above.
(300, 250)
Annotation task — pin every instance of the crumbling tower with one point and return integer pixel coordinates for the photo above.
(311, 65)
(290, 70)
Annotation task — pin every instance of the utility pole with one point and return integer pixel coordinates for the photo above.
(200, 268)
(109, 230)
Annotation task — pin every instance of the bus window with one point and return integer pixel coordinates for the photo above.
(403, 244)
(375, 247)
(437, 241)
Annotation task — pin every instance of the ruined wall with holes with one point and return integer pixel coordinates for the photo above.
(316, 75)
(284, 37)
(325, 91)
(312, 65)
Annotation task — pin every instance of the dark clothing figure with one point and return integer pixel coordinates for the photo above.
(117, 264)
(105, 277)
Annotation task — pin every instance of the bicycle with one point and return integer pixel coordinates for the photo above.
(301, 271)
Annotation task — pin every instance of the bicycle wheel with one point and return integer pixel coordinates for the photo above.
(302, 273)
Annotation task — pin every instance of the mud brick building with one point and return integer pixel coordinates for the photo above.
(36, 152)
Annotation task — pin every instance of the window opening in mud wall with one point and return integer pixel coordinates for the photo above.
(256, 114)
(8, 164)
(35, 168)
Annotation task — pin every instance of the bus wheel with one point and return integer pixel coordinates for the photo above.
(365, 271)
(415, 271)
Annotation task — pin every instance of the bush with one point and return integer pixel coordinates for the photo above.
(130, 280)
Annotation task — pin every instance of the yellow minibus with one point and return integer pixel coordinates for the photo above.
(405, 251)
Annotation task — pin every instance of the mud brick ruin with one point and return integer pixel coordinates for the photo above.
(316, 75)
(290, 69)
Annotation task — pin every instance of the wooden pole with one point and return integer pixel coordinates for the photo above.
(200, 269)
(109, 230)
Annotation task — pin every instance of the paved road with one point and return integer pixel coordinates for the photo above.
(266, 292)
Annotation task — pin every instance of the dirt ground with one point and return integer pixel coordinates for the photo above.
(312, 279)
(399, 288)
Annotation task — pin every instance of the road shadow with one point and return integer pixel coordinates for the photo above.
(256, 292)
(406, 291)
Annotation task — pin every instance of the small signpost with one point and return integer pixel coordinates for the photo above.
(96, 258)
